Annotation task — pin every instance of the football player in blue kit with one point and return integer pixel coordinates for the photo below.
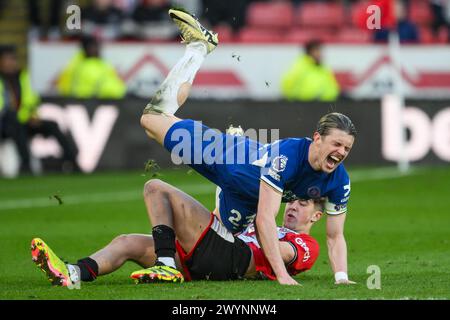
(254, 178)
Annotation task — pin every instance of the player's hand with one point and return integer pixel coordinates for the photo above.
(288, 280)
(345, 281)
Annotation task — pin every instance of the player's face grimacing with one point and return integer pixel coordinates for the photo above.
(299, 214)
(331, 149)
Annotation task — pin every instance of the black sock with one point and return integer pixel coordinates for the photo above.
(164, 238)
(88, 269)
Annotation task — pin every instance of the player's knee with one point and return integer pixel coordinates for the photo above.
(148, 123)
(153, 186)
(127, 245)
(122, 241)
(148, 120)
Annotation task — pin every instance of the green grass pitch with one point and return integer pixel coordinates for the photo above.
(399, 223)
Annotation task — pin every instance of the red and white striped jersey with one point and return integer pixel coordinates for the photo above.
(306, 250)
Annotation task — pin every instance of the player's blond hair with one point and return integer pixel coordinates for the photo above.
(335, 120)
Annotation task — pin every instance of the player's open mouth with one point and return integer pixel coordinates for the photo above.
(332, 161)
(290, 213)
(290, 217)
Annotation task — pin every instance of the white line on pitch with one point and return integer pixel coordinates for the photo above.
(193, 189)
(117, 196)
(380, 174)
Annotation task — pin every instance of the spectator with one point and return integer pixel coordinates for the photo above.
(126, 6)
(88, 76)
(308, 79)
(440, 10)
(407, 31)
(18, 112)
(37, 27)
(152, 20)
(103, 20)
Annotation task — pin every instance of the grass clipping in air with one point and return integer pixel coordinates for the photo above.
(151, 168)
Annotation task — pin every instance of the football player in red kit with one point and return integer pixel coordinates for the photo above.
(205, 249)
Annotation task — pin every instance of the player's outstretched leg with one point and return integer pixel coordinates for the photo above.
(158, 115)
(138, 248)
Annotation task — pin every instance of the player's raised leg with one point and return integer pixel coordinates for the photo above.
(172, 214)
(158, 115)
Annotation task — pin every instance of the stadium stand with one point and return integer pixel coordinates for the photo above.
(13, 26)
(269, 15)
(355, 13)
(353, 35)
(256, 35)
(277, 21)
(301, 35)
(420, 13)
(226, 33)
(330, 21)
(320, 15)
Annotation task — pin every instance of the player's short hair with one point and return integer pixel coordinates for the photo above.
(319, 203)
(335, 120)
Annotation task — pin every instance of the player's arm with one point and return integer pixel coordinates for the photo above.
(337, 247)
(266, 231)
(287, 251)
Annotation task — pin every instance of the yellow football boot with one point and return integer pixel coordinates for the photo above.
(192, 30)
(46, 260)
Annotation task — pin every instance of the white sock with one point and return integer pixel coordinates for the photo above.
(168, 261)
(74, 273)
(185, 70)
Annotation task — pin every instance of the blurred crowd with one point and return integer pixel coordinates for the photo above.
(308, 23)
(418, 20)
(19, 118)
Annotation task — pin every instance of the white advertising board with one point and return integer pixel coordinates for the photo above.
(255, 71)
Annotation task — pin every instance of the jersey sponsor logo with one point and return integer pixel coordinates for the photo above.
(279, 163)
(302, 244)
(314, 192)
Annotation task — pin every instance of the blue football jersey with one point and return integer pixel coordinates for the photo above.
(237, 165)
(284, 166)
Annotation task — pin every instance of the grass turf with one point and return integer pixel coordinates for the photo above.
(399, 223)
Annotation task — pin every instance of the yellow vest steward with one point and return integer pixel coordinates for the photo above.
(307, 81)
(90, 78)
(29, 100)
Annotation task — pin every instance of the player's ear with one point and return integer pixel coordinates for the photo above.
(316, 136)
(316, 216)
